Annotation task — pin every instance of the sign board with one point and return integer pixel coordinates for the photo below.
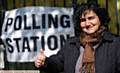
(26, 30)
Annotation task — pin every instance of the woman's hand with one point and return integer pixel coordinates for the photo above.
(40, 59)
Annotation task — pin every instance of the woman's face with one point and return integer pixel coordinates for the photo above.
(89, 22)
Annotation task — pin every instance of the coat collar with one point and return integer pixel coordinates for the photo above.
(107, 36)
(75, 41)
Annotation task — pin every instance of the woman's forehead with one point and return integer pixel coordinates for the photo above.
(88, 12)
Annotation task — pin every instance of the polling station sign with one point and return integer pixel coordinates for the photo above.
(26, 30)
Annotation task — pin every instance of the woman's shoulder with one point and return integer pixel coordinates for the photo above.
(73, 39)
(110, 36)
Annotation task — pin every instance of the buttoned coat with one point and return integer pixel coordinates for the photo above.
(107, 56)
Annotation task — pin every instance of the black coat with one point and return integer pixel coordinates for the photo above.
(107, 56)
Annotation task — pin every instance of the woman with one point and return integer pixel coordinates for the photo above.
(93, 50)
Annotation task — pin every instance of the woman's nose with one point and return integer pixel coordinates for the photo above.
(87, 23)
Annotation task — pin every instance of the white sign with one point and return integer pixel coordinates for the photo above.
(26, 30)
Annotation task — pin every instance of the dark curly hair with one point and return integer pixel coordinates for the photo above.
(101, 13)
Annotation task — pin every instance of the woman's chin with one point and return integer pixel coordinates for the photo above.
(89, 32)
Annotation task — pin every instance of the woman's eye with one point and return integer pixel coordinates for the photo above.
(90, 18)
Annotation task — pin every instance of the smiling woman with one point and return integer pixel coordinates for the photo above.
(89, 22)
(94, 50)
